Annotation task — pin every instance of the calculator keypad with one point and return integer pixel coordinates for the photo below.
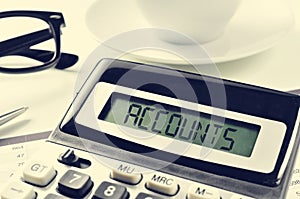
(104, 178)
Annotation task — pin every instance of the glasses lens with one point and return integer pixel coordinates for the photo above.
(25, 42)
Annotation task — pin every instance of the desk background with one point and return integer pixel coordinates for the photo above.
(48, 93)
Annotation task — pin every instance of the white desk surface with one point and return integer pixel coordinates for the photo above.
(48, 93)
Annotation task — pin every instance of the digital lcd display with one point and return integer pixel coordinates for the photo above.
(174, 122)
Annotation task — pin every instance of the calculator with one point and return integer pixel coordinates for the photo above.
(147, 132)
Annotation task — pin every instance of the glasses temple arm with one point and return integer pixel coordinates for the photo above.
(17, 44)
(66, 60)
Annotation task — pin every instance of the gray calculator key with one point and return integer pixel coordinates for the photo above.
(147, 196)
(108, 190)
(53, 196)
(75, 184)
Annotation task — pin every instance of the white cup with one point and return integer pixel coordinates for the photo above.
(200, 20)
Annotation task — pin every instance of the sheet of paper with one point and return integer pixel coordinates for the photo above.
(14, 153)
(294, 190)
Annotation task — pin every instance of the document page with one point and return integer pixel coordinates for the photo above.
(14, 153)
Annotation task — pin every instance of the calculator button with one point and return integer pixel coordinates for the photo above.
(240, 197)
(147, 196)
(203, 192)
(38, 173)
(68, 158)
(108, 190)
(75, 184)
(53, 196)
(163, 184)
(126, 174)
(18, 190)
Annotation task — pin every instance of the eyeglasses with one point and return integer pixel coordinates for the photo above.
(30, 41)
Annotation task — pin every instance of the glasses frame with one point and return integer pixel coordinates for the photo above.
(21, 45)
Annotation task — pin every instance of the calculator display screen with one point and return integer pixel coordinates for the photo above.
(175, 122)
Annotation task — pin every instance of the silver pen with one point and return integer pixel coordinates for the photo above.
(11, 115)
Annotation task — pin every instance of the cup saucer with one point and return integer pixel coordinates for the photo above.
(252, 30)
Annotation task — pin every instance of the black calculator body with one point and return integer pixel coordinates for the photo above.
(142, 131)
